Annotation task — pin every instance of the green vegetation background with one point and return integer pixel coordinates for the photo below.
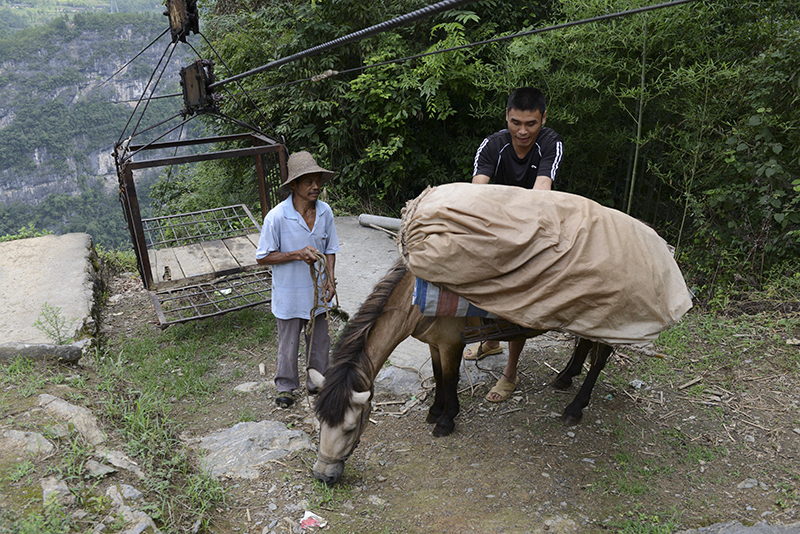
(685, 117)
(713, 163)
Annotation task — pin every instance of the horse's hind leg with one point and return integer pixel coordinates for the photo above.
(575, 365)
(574, 412)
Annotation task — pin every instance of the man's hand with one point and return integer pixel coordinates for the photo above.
(330, 289)
(307, 254)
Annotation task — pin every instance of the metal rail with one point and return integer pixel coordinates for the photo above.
(217, 297)
(198, 226)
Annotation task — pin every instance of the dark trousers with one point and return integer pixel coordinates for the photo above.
(318, 346)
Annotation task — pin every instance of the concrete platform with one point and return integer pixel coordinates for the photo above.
(367, 255)
(57, 271)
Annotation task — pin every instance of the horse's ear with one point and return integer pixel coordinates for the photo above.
(361, 397)
(316, 378)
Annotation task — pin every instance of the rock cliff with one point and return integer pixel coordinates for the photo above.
(68, 94)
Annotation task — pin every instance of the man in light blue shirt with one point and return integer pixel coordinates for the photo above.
(295, 233)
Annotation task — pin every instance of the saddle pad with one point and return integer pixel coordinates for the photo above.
(434, 301)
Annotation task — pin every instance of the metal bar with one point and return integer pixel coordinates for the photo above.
(205, 141)
(193, 158)
(262, 185)
(214, 223)
(135, 222)
(246, 291)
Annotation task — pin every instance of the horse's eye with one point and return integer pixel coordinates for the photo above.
(350, 430)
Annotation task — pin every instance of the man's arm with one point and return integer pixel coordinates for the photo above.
(480, 179)
(307, 254)
(543, 182)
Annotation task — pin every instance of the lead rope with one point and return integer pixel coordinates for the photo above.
(318, 276)
(319, 281)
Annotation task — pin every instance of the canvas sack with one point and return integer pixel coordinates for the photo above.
(545, 260)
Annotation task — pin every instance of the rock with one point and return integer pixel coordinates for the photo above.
(735, 527)
(747, 483)
(137, 522)
(80, 417)
(377, 501)
(396, 381)
(131, 493)
(42, 351)
(251, 387)
(98, 470)
(120, 460)
(30, 443)
(239, 451)
(55, 489)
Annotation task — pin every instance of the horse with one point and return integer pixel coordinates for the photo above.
(383, 321)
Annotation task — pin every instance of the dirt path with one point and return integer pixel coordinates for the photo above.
(651, 451)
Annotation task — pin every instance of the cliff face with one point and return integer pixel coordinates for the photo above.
(63, 107)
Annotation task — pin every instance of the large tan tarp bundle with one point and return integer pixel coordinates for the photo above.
(545, 260)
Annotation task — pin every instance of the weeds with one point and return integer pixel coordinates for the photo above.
(21, 470)
(54, 325)
(639, 522)
(119, 261)
(54, 520)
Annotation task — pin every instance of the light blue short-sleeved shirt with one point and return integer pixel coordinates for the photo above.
(285, 230)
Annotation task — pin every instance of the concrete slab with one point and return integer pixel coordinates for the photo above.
(59, 271)
(366, 256)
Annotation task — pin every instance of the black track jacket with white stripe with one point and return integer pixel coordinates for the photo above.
(497, 160)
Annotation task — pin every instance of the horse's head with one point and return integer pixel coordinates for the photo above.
(342, 420)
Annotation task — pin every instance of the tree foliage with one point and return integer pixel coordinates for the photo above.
(713, 163)
(94, 210)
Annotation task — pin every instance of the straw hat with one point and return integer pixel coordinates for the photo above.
(302, 163)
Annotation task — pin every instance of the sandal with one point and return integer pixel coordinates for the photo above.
(284, 400)
(504, 388)
(479, 352)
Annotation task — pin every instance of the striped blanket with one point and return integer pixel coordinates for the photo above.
(435, 301)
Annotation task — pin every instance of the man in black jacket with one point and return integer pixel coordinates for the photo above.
(526, 154)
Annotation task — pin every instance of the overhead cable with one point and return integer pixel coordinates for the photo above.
(356, 36)
(327, 74)
(331, 73)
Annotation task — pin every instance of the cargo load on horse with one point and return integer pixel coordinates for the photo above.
(545, 260)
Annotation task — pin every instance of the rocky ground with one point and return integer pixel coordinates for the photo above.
(685, 448)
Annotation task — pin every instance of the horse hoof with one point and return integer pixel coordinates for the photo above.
(561, 383)
(432, 417)
(440, 431)
(570, 419)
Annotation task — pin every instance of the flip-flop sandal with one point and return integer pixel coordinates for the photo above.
(504, 388)
(479, 352)
(284, 400)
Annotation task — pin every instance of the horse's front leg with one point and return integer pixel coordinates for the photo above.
(574, 412)
(437, 408)
(445, 404)
(575, 365)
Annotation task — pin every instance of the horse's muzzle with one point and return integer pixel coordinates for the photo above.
(329, 473)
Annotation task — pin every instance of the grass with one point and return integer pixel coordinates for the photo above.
(133, 384)
(641, 522)
(54, 325)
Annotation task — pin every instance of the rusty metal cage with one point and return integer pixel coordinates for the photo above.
(202, 263)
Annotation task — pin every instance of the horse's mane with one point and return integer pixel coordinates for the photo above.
(351, 369)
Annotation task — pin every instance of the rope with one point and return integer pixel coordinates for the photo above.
(319, 276)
